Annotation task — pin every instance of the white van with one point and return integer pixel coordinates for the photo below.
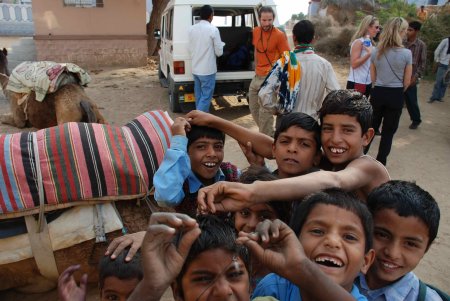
(235, 20)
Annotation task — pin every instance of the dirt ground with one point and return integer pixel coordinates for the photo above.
(420, 155)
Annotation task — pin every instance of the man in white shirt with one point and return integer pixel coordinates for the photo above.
(442, 59)
(205, 45)
(318, 76)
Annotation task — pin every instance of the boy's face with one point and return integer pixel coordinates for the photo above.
(215, 275)
(342, 138)
(334, 238)
(399, 243)
(411, 33)
(117, 289)
(206, 155)
(295, 152)
(247, 219)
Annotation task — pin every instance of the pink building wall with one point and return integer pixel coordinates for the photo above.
(112, 35)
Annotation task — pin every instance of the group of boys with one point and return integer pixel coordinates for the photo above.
(353, 232)
(369, 251)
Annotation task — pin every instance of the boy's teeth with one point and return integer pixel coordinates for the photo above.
(337, 150)
(208, 164)
(329, 261)
(389, 265)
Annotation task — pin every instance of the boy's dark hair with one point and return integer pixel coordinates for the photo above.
(339, 198)
(300, 120)
(258, 173)
(198, 132)
(119, 268)
(348, 102)
(206, 11)
(215, 234)
(406, 199)
(303, 32)
(416, 25)
(266, 9)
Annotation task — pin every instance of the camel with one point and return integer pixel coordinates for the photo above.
(68, 104)
(65, 172)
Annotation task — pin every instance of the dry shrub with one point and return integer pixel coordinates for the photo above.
(332, 38)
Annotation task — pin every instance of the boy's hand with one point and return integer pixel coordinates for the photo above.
(197, 117)
(162, 259)
(252, 157)
(68, 290)
(225, 196)
(120, 243)
(276, 246)
(180, 127)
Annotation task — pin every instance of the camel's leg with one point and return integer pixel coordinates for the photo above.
(7, 119)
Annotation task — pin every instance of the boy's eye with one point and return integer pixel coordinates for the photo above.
(218, 147)
(316, 231)
(348, 130)
(350, 237)
(245, 212)
(411, 244)
(284, 141)
(327, 128)
(266, 216)
(381, 235)
(305, 144)
(112, 297)
(203, 279)
(235, 275)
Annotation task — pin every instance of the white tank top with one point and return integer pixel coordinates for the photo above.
(361, 74)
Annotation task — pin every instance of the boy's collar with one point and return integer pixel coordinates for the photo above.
(195, 184)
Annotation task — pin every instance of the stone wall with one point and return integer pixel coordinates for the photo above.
(93, 52)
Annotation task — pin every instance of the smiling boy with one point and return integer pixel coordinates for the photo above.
(406, 222)
(340, 246)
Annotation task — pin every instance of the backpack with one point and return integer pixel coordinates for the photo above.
(423, 290)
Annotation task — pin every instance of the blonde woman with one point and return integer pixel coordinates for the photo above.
(359, 75)
(391, 71)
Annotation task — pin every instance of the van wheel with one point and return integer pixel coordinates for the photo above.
(173, 97)
(162, 79)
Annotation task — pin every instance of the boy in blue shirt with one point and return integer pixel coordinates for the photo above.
(194, 160)
(406, 222)
(335, 230)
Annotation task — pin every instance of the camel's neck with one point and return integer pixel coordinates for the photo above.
(4, 81)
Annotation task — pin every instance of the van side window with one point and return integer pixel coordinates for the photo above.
(169, 25)
(163, 27)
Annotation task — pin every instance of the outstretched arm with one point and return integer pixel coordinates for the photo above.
(262, 144)
(361, 174)
(276, 246)
(162, 258)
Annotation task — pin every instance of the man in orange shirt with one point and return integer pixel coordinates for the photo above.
(422, 14)
(269, 43)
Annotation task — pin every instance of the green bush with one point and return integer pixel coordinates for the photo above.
(436, 28)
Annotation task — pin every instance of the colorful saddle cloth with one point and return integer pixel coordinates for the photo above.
(80, 162)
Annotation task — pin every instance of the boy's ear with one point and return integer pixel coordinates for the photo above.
(176, 291)
(368, 136)
(317, 158)
(273, 149)
(369, 257)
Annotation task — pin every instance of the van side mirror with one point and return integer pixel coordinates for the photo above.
(157, 34)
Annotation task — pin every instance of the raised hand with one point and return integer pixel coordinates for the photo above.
(166, 245)
(120, 243)
(180, 126)
(276, 246)
(68, 290)
(252, 157)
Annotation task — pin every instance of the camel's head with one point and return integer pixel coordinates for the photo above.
(4, 61)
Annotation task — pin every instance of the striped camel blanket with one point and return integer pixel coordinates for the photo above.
(78, 163)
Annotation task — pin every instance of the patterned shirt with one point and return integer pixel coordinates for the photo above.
(419, 56)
